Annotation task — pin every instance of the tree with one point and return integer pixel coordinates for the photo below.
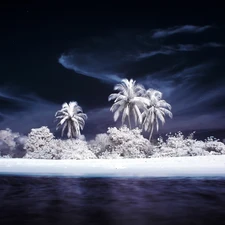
(72, 117)
(128, 101)
(155, 111)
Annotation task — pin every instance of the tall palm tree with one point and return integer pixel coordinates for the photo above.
(72, 117)
(128, 101)
(155, 112)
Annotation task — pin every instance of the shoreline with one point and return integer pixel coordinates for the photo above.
(145, 167)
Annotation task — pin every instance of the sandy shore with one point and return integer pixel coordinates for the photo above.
(152, 167)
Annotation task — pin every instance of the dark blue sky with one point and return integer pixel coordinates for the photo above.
(55, 54)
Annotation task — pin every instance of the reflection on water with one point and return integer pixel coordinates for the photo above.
(51, 200)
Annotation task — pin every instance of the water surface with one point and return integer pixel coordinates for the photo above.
(150, 201)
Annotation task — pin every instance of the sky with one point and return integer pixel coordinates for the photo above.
(51, 54)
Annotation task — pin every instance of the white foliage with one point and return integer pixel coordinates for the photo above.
(146, 106)
(214, 145)
(81, 137)
(38, 144)
(11, 144)
(38, 138)
(155, 111)
(128, 101)
(129, 143)
(6, 156)
(8, 137)
(110, 155)
(120, 143)
(177, 145)
(41, 144)
(71, 116)
(100, 144)
(74, 149)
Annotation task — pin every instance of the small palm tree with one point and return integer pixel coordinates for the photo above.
(155, 112)
(72, 117)
(128, 101)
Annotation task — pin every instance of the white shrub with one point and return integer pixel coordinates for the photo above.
(74, 149)
(120, 143)
(110, 155)
(214, 145)
(100, 144)
(11, 144)
(38, 144)
(38, 138)
(41, 144)
(129, 143)
(176, 141)
(177, 145)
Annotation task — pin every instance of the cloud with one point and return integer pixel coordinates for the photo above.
(173, 49)
(179, 76)
(100, 118)
(5, 94)
(188, 82)
(108, 59)
(184, 91)
(86, 65)
(160, 33)
(192, 103)
(191, 47)
(34, 112)
(213, 44)
(154, 53)
(194, 123)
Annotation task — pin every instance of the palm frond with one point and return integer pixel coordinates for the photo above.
(164, 104)
(71, 116)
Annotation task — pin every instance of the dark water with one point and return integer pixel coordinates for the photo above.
(51, 200)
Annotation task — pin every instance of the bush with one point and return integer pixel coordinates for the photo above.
(41, 144)
(74, 149)
(38, 144)
(122, 143)
(214, 146)
(11, 144)
(100, 144)
(177, 145)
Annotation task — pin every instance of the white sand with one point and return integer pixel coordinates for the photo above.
(153, 167)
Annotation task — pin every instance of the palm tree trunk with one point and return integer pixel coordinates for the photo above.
(150, 136)
(129, 121)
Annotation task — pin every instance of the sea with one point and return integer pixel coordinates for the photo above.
(34, 200)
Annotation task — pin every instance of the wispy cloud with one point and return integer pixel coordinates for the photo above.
(191, 47)
(154, 53)
(160, 33)
(179, 76)
(194, 123)
(34, 112)
(169, 50)
(6, 95)
(185, 82)
(213, 44)
(88, 68)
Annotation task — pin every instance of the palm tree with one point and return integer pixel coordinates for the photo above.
(128, 101)
(155, 112)
(72, 117)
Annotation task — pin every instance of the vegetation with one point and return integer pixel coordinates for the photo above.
(133, 101)
(155, 112)
(72, 117)
(128, 101)
(178, 145)
(121, 143)
(41, 144)
(147, 106)
(11, 144)
(116, 143)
